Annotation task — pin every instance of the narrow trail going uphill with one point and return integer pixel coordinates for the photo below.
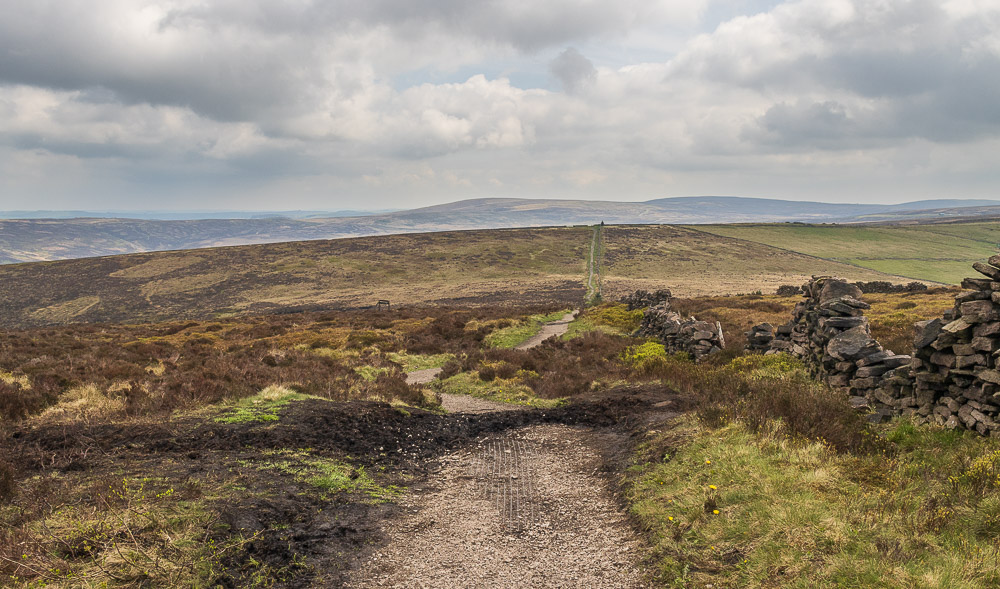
(554, 329)
(525, 508)
(594, 288)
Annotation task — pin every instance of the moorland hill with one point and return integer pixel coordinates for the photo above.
(464, 268)
(29, 240)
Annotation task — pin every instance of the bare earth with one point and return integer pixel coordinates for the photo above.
(526, 508)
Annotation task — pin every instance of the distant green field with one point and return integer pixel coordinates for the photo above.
(936, 252)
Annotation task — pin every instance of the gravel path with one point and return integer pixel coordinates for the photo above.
(554, 329)
(522, 509)
(422, 376)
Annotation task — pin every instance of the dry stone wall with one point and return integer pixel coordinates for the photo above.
(830, 333)
(642, 299)
(759, 337)
(677, 334)
(953, 377)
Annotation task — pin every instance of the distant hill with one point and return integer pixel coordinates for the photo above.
(24, 240)
(467, 268)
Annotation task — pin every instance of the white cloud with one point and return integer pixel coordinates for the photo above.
(301, 96)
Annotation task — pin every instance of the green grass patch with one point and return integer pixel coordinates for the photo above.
(411, 362)
(503, 390)
(370, 373)
(263, 407)
(773, 366)
(733, 508)
(585, 324)
(327, 475)
(135, 531)
(610, 318)
(515, 335)
(940, 253)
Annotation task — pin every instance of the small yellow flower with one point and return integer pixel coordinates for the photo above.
(713, 547)
(708, 462)
(671, 518)
(715, 511)
(712, 487)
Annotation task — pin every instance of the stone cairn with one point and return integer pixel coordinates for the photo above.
(698, 338)
(641, 299)
(830, 333)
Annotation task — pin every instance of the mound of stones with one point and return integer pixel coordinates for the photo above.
(788, 290)
(642, 299)
(830, 333)
(697, 338)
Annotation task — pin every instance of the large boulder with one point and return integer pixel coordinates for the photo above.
(837, 289)
(851, 344)
(927, 332)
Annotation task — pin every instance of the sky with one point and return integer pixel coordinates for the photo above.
(377, 104)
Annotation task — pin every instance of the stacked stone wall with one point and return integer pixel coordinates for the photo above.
(953, 377)
(830, 333)
(642, 299)
(759, 337)
(676, 333)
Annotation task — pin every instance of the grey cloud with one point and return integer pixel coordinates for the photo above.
(898, 70)
(814, 124)
(242, 60)
(572, 70)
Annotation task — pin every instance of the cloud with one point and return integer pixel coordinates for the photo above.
(304, 94)
(573, 70)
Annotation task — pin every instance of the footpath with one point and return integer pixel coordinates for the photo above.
(524, 508)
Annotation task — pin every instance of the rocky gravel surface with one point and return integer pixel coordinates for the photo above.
(527, 508)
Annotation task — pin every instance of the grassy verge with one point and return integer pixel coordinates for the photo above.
(503, 390)
(327, 475)
(128, 531)
(411, 362)
(761, 488)
(515, 335)
(609, 318)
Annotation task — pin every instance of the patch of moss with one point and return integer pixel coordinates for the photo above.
(262, 407)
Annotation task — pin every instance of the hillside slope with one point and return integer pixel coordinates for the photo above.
(28, 240)
(940, 252)
(522, 266)
(696, 263)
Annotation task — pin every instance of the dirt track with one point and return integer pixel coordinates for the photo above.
(554, 329)
(521, 508)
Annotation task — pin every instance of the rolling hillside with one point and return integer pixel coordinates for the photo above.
(469, 268)
(696, 263)
(29, 240)
(940, 252)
